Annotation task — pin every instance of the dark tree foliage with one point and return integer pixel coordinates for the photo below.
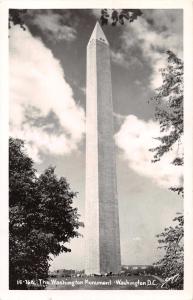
(171, 240)
(169, 111)
(16, 17)
(41, 218)
(119, 16)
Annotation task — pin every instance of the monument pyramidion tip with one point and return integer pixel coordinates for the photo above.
(98, 34)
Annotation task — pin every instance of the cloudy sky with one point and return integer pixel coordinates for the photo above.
(47, 110)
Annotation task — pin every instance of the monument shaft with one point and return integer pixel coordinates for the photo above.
(101, 218)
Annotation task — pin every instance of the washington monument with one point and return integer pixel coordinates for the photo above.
(101, 217)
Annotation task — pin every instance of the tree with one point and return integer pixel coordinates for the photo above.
(119, 16)
(172, 264)
(169, 113)
(16, 17)
(41, 218)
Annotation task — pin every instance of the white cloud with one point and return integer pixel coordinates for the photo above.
(53, 26)
(137, 239)
(96, 13)
(152, 40)
(37, 80)
(120, 58)
(135, 138)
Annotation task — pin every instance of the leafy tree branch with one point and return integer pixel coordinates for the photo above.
(42, 218)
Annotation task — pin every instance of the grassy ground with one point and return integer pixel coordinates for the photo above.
(118, 282)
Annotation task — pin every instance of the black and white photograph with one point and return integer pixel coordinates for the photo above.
(96, 148)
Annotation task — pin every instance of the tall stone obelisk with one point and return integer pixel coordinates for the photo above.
(101, 217)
